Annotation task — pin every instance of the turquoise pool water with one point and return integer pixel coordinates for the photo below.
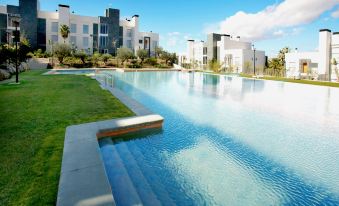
(227, 141)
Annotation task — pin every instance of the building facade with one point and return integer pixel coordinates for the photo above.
(105, 34)
(232, 54)
(317, 64)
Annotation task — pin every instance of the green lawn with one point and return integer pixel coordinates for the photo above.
(283, 79)
(33, 118)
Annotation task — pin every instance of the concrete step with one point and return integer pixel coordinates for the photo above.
(123, 189)
(140, 183)
(150, 174)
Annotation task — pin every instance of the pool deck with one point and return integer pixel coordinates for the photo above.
(83, 179)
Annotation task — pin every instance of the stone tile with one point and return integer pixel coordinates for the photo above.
(80, 154)
(80, 132)
(87, 186)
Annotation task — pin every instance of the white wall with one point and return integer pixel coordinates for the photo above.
(3, 9)
(292, 62)
(68, 20)
(324, 53)
(154, 41)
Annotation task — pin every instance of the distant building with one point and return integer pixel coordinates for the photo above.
(232, 53)
(104, 33)
(315, 64)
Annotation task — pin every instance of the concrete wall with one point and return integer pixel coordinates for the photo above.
(324, 54)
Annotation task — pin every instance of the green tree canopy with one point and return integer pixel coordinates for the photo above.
(61, 51)
(125, 54)
(64, 31)
(142, 54)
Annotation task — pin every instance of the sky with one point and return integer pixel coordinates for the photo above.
(269, 24)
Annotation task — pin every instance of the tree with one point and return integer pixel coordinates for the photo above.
(247, 67)
(105, 58)
(24, 49)
(142, 54)
(274, 65)
(81, 55)
(158, 51)
(95, 58)
(124, 54)
(64, 31)
(214, 65)
(281, 56)
(114, 45)
(61, 51)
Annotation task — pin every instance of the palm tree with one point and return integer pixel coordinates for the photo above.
(64, 31)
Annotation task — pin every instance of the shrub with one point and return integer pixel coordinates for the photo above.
(24, 49)
(62, 51)
(105, 58)
(151, 61)
(125, 54)
(81, 55)
(95, 58)
(214, 65)
(73, 62)
(142, 54)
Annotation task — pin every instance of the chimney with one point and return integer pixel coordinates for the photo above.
(324, 54)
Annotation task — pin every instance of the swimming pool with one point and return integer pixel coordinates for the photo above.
(227, 141)
(71, 71)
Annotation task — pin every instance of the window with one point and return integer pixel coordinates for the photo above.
(103, 29)
(140, 41)
(85, 42)
(73, 40)
(129, 44)
(55, 27)
(103, 41)
(85, 29)
(205, 50)
(129, 32)
(54, 38)
(204, 60)
(73, 28)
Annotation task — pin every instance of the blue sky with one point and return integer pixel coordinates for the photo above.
(270, 24)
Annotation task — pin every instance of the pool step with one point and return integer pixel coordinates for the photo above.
(123, 189)
(157, 186)
(140, 183)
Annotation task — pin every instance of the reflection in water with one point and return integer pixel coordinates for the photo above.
(224, 133)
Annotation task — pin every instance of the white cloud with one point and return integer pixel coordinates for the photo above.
(335, 14)
(272, 21)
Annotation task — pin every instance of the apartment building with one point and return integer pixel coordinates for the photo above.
(232, 53)
(103, 33)
(316, 64)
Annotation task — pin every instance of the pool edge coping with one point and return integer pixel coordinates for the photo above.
(81, 162)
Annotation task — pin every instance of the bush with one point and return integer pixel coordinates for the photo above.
(62, 51)
(151, 61)
(81, 55)
(142, 54)
(95, 58)
(214, 65)
(73, 62)
(106, 57)
(125, 54)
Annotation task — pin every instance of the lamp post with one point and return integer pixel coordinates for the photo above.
(254, 59)
(16, 39)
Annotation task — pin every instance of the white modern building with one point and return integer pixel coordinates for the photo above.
(317, 64)
(104, 33)
(233, 54)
